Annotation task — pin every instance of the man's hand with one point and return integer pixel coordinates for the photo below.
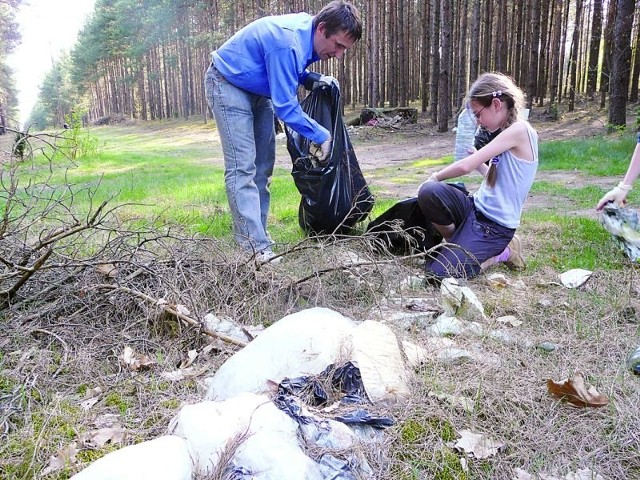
(329, 81)
(321, 152)
(616, 195)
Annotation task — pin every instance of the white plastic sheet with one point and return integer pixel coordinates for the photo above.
(260, 438)
(164, 458)
(303, 343)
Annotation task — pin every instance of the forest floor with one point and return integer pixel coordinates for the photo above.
(62, 371)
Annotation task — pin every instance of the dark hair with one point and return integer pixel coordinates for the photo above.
(339, 16)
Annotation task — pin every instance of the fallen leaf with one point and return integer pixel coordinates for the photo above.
(136, 361)
(191, 356)
(93, 392)
(87, 404)
(99, 438)
(576, 392)
(107, 269)
(477, 444)
(64, 457)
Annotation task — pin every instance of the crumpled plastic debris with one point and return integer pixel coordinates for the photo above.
(575, 277)
(363, 417)
(622, 223)
(345, 378)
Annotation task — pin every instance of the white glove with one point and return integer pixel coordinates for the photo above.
(617, 195)
(321, 152)
(329, 81)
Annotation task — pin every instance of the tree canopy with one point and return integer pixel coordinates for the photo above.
(145, 58)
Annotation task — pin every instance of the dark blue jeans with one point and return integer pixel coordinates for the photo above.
(476, 237)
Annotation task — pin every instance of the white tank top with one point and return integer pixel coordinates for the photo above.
(504, 202)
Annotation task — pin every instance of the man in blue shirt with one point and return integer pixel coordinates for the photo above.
(254, 73)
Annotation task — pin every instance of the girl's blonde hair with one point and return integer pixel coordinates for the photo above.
(497, 85)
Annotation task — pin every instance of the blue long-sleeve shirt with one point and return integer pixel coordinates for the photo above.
(269, 57)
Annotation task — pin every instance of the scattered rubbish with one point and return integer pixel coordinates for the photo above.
(576, 392)
(361, 416)
(575, 277)
(633, 362)
(164, 458)
(376, 352)
(226, 327)
(298, 345)
(304, 344)
(451, 326)
(622, 224)
(545, 303)
(478, 445)
(460, 301)
(267, 442)
(548, 346)
(509, 320)
(466, 403)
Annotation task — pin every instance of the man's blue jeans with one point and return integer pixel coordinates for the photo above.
(245, 123)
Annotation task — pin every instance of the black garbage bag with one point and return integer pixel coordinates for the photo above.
(402, 229)
(335, 195)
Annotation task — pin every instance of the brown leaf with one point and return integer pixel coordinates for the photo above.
(99, 438)
(107, 269)
(136, 361)
(65, 456)
(576, 392)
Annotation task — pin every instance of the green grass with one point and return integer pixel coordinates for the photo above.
(600, 156)
(567, 242)
(165, 172)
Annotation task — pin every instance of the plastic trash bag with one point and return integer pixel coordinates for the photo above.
(622, 224)
(402, 229)
(363, 417)
(163, 458)
(348, 379)
(345, 379)
(341, 458)
(335, 195)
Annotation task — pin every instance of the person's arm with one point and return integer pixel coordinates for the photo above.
(515, 135)
(281, 65)
(619, 193)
